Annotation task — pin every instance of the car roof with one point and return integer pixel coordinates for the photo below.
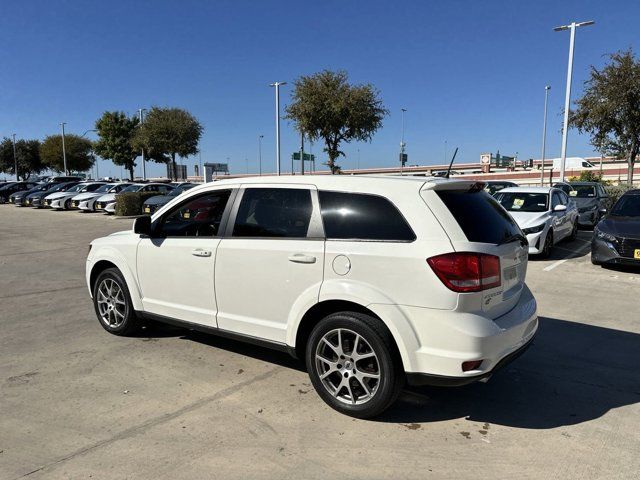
(635, 191)
(527, 189)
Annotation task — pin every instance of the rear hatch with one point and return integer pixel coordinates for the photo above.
(476, 222)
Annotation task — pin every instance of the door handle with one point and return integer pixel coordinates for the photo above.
(199, 252)
(302, 258)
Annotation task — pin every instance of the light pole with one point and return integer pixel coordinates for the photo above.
(544, 133)
(260, 137)
(567, 100)
(64, 151)
(402, 144)
(277, 85)
(15, 157)
(82, 136)
(144, 165)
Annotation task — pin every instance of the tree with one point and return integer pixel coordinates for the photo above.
(167, 132)
(609, 110)
(79, 153)
(27, 155)
(115, 131)
(325, 106)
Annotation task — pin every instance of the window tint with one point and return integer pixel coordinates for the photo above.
(480, 216)
(355, 216)
(273, 212)
(555, 200)
(198, 217)
(563, 198)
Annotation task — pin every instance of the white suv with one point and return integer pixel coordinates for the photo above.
(372, 280)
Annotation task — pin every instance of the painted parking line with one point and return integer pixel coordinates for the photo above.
(579, 252)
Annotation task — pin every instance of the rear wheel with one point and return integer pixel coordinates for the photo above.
(112, 302)
(353, 364)
(548, 243)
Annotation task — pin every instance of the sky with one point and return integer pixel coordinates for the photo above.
(470, 74)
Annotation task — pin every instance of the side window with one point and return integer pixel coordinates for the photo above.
(355, 216)
(563, 198)
(198, 217)
(555, 200)
(274, 212)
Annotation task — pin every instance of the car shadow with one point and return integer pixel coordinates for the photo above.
(572, 373)
(568, 249)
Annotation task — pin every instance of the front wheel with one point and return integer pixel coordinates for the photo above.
(548, 243)
(354, 365)
(112, 302)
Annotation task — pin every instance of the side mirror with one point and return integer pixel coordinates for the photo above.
(142, 225)
(560, 208)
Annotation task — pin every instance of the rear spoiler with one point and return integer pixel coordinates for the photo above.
(438, 183)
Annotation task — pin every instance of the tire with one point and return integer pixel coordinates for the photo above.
(574, 231)
(548, 243)
(67, 204)
(361, 388)
(112, 303)
(594, 261)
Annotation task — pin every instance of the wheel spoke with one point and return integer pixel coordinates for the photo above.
(363, 384)
(335, 349)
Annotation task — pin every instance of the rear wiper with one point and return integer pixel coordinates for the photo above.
(513, 238)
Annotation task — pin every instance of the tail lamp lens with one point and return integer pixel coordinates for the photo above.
(467, 271)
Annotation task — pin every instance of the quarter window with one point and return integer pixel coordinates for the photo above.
(274, 212)
(198, 217)
(356, 216)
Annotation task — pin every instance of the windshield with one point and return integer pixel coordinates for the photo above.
(178, 190)
(77, 188)
(57, 187)
(627, 206)
(523, 201)
(583, 191)
(104, 188)
(131, 188)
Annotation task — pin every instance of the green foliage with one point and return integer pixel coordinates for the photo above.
(27, 155)
(587, 176)
(130, 203)
(167, 132)
(609, 110)
(615, 192)
(325, 106)
(79, 153)
(115, 131)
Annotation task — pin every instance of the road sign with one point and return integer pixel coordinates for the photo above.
(218, 167)
(307, 157)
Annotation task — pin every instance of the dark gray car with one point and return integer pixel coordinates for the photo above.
(590, 198)
(616, 239)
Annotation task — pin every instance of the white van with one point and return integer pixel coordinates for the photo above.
(577, 163)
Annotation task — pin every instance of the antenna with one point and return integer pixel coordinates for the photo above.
(451, 164)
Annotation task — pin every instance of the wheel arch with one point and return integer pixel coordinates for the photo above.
(112, 261)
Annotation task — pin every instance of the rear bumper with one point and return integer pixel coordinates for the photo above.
(434, 343)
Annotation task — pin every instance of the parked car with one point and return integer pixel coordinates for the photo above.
(62, 200)
(36, 199)
(107, 202)
(616, 238)
(435, 294)
(86, 201)
(152, 204)
(545, 215)
(591, 199)
(23, 199)
(12, 187)
(493, 186)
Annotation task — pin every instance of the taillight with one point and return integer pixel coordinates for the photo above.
(467, 271)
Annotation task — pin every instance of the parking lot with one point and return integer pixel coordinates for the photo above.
(77, 402)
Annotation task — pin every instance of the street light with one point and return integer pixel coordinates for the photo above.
(64, 151)
(260, 137)
(567, 100)
(544, 132)
(277, 85)
(144, 165)
(15, 158)
(402, 144)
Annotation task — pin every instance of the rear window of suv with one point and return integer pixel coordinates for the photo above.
(479, 215)
(356, 216)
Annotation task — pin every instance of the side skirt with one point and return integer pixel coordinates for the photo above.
(282, 347)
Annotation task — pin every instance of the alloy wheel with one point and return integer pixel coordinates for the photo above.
(112, 306)
(347, 366)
